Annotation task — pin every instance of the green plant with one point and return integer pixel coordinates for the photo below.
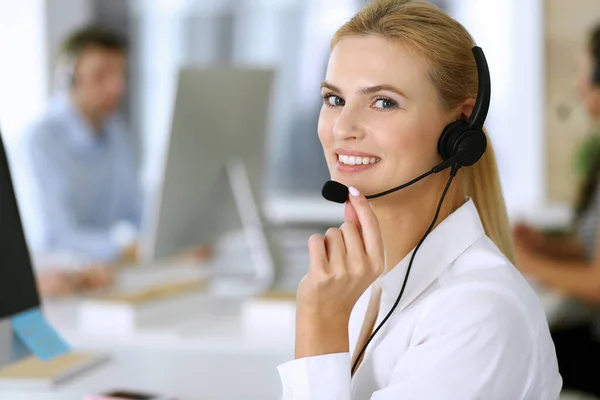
(586, 154)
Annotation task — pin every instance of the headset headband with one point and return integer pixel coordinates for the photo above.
(484, 89)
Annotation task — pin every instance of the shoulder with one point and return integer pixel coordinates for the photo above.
(484, 295)
(484, 281)
(483, 308)
(121, 133)
(43, 132)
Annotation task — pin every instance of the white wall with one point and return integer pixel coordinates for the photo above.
(23, 77)
(30, 33)
(511, 35)
(160, 57)
(62, 17)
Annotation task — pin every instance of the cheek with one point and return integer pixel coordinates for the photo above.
(407, 141)
(94, 87)
(325, 129)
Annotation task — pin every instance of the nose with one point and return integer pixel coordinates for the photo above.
(347, 126)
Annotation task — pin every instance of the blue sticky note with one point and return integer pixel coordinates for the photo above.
(40, 338)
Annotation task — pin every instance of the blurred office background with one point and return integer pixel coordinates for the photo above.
(535, 120)
(293, 36)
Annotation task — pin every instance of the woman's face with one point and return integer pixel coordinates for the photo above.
(381, 117)
(588, 92)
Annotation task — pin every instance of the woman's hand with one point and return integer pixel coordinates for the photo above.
(527, 260)
(57, 283)
(60, 283)
(96, 277)
(343, 264)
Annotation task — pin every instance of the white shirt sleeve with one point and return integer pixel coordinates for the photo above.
(471, 344)
(311, 377)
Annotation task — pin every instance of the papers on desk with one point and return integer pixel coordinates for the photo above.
(124, 311)
(271, 316)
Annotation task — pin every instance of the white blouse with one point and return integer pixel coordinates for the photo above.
(468, 327)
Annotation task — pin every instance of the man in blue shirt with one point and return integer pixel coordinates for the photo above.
(81, 157)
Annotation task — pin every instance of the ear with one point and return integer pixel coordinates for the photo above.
(465, 109)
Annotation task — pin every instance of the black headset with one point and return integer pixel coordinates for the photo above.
(464, 142)
(461, 144)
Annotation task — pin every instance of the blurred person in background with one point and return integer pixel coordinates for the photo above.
(82, 164)
(570, 264)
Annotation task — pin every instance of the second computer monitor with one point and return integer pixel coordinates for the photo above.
(221, 115)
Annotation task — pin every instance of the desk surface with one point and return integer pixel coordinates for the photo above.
(213, 323)
(181, 373)
(206, 357)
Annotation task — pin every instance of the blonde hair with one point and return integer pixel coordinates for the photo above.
(446, 47)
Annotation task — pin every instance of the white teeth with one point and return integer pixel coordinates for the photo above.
(355, 160)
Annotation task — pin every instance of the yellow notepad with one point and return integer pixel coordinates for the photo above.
(32, 372)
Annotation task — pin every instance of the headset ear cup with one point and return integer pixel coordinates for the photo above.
(449, 137)
(471, 145)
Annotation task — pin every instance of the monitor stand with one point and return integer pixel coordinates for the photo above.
(263, 249)
(22, 369)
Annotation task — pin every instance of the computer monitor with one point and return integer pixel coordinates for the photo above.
(18, 290)
(213, 169)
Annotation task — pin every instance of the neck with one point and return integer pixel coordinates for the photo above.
(93, 117)
(405, 216)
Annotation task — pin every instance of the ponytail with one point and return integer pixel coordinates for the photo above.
(481, 182)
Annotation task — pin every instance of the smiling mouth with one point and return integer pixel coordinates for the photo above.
(356, 160)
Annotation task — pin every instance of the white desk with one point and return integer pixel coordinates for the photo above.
(206, 356)
(185, 374)
(219, 329)
(203, 357)
(208, 323)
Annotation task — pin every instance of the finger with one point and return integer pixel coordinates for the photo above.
(355, 248)
(350, 214)
(335, 247)
(316, 249)
(369, 226)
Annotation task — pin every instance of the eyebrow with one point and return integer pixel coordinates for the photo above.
(365, 90)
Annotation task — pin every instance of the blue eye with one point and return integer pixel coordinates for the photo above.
(332, 100)
(384, 103)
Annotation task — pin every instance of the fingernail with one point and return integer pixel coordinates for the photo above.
(353, 191)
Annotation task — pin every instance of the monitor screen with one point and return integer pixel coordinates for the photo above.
(18, 290)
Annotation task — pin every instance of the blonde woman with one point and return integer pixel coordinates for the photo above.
(467, 326)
